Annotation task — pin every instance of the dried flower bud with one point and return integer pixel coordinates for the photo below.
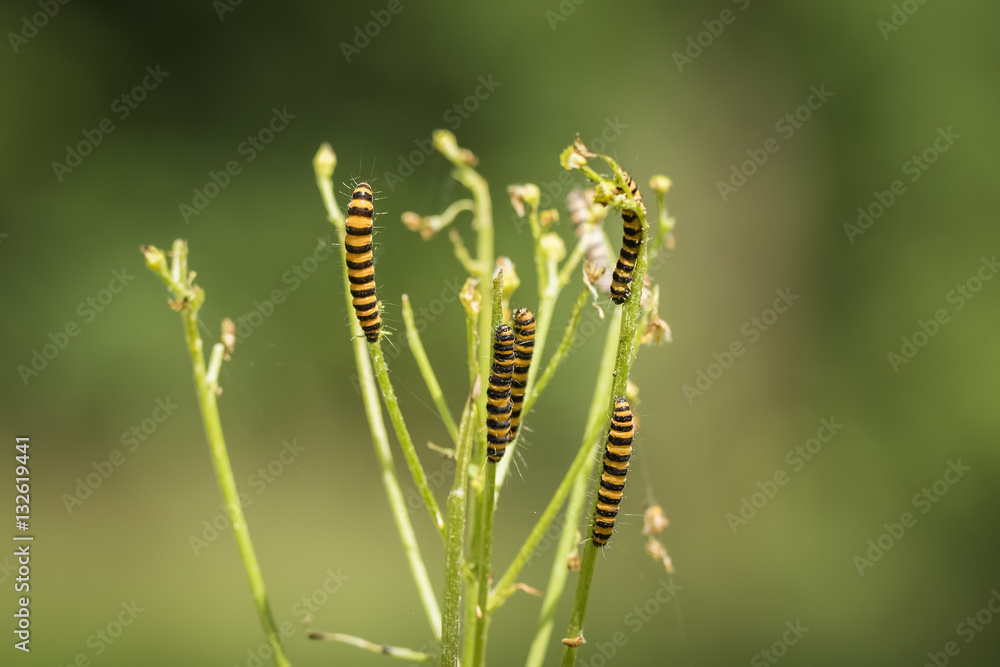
(228, 337)
(325, 162)
(510, 279)
(155, 259)
(593, 272)
(573, 561)
(574, 642)
(553, 248)
(469, 297)
(660, 183)
(654, 520)
(658, 552)
(575, 156)
(469, 158)
(656, 331)
(549, 216)
(447, 145)
(413, 221)
(581, 148)
(632, 392)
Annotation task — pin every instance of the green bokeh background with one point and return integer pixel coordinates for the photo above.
(826, 357)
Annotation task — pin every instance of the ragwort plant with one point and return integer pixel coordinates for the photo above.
(506, 375)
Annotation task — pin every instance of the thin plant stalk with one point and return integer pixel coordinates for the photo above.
(558, 574)
(627, 342)
(551, 282)
(504, 587)
(364, 644)
(596, 417)
(426, 370)
(564, 346)
(324, 165)
(190, 298)
(487, 504)
(451, 631)
(403, 435)
(482, 223)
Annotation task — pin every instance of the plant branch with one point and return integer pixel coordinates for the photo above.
(564, 346)
(324, 165)
(451, 631)
(364, 644)
(426, 370)
(505, 587)
(403, 435)
(189, 299)
(627, 342)
(488, 498)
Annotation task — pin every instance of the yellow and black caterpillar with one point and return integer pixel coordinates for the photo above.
(524, 346)
(361, 262)
(616, 455)
(498, 403)
(631, 240)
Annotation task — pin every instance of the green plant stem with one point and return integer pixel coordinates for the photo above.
(469, 623)
(403, 435)
(596, 417)
(463, 256)
(380, 438)
(227, 483)
(580, 603)
(470, 339)
(487, 504)
(451, 631)
(550, 285)
(664, 225)
(485, 555)
(206, 387)
(627, 343)
(426, 370)
(364, 644)
(559, 572)
(561, 352)
(504, 588)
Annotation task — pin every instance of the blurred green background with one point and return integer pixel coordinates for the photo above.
(561, 68)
